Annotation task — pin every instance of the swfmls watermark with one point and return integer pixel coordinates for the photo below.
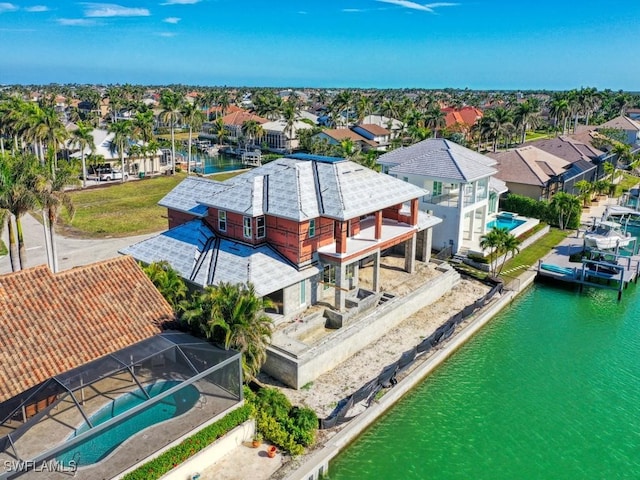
(45, 466)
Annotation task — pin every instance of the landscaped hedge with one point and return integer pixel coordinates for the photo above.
(540, 209)
(192, 445)
(290, 428)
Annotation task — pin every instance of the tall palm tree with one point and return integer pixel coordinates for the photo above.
(143, 125)
(526, 115)
(53, 196)
(565, 205)
(122, 132)
(233, 314)
(289, 115)
(559, 111)
(82, 139)
(18, 195)
(194, 118)
(435, 119)
(171, 103)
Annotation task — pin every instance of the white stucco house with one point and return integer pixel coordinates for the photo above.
(462, 190)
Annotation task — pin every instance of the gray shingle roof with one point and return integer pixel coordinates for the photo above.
(298, 190)
(441, 159)
(197, 254)
(187, 195)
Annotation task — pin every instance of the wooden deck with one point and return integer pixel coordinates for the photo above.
(602, 270)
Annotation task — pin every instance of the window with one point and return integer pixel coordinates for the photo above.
(303, 292)
(222, 220)
(329, 276)
(247, 230)
(261, 227)
(312, 228)
(437, 189)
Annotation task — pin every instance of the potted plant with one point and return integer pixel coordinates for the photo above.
(271, 451)
(257, 440)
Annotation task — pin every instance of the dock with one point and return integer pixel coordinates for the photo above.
(598, 269)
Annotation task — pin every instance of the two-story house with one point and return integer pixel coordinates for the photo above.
(460, 187)
(297, 228)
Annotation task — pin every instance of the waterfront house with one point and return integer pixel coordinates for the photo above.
(233, 123)
(531, 172)
(380, 135)
(459, 184)
(78, 343)
(297, 228)
(630, 128)
(149, 163)
(334, 136)
(279, 137)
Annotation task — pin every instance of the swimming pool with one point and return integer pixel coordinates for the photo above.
(102, 444)
(505, 222)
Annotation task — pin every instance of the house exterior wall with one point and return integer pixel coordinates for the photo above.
(531, 191)
(178, 218)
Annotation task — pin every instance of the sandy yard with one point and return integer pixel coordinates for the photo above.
(324, 393)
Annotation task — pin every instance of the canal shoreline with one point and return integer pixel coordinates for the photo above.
(317, 464)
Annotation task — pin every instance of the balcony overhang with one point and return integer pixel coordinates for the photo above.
(364, 243)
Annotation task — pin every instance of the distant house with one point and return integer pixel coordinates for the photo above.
(280, 138)
(297, 228)
(631, 128)
(531, 172)
(380, 135)
(233, 123)
(391, 124)
(461, 119)
(334, 136)
(460, 186)
(106, 151)
(584, 158)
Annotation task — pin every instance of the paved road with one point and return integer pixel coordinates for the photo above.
(73, 252)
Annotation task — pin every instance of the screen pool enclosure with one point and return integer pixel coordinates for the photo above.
(82, 417)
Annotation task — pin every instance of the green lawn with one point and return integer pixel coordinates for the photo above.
(531, 254)
(119, 210)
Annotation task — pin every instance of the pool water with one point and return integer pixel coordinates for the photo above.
(508, 223)
(99, 446)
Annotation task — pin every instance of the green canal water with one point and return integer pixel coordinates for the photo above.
(549, 389)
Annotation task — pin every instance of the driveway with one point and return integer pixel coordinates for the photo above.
(72, 252)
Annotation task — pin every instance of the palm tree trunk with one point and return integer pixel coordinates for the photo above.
(122, 165)
(52, 242)
(1, 146)
(47, 239)
(22, 251)
(13, 245)
(84, 171)
(189, 156)
(173, 150)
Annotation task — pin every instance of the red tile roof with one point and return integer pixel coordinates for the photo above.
(465, 115)
(238, 118)
(51, 323)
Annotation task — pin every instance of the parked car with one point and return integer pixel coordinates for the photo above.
(109, 174)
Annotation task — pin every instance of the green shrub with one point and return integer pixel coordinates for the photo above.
(290, 428)
(192, 445)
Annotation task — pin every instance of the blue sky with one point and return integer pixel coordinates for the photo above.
(477, 44)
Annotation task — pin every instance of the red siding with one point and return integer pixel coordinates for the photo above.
(178, 218)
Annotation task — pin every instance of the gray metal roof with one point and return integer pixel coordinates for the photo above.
(439, 158)
(302, 189)
(201, 257)
(187, 195)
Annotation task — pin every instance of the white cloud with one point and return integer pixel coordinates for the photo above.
(112, 10)
(37, 8)
(7, 7)
(352, 10)
(76, 22)
(302, 12)
(427, 7)
(167, 34)
(173, 20)
(181, 2)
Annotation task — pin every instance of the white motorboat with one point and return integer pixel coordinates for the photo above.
(607, 235)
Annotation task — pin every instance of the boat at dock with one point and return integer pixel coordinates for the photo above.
(607, 235)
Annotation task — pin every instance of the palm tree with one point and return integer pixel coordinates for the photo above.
(233, 314)
(52, 196)
(585, 188)
(82, 139)
(143, 125)
(559, 111)
(509, 246)
(171, 107)
(18, 195)
(435, 119)
(289, 115)
(492, 241)
(565, 205)
(168, 282)
(193, 116)
(526, 114)
(122, 132)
